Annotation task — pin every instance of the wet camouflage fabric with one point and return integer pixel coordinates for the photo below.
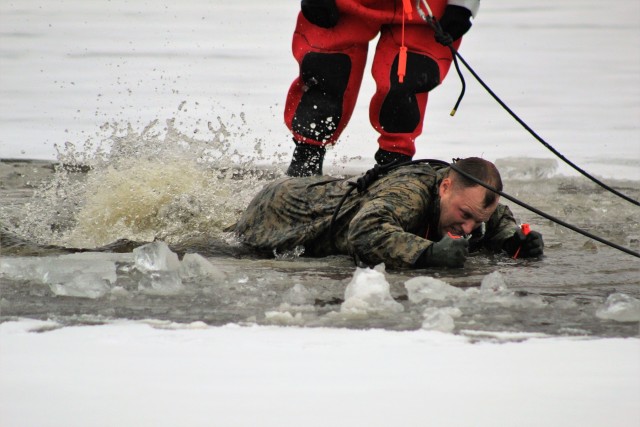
(387, 223)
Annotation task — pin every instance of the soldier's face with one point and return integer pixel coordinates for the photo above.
(462, 209)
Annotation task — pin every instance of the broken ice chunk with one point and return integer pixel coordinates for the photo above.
(81, 285)
(440, 319)
(620, 307)
(369, 291)
(160, 268)
(429, 288)
(493, 282)
(298, 295)
(156, 256)
(195, 265)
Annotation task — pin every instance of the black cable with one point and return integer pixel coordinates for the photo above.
(445, 39)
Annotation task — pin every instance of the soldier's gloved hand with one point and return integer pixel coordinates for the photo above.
(447, 252)
(323, 13)
(455, 21)
(530, 245)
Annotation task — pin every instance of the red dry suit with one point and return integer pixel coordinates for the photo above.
(321, 99)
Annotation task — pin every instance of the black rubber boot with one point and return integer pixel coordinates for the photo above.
(384, 157)
(307, 160)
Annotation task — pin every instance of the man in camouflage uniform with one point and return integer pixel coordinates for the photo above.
(413, 217)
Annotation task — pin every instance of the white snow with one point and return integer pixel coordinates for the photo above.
(160, 374)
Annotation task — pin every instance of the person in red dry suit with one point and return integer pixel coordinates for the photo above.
(330, 43)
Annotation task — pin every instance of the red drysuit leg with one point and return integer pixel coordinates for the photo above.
(397, 109)
(321, 100)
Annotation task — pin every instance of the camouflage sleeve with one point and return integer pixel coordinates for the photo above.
(379, 232)
(500, 227)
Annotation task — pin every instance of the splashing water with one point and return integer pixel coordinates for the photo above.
(157, 183)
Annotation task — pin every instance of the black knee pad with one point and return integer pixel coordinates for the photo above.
(399, 112)
(325, 76)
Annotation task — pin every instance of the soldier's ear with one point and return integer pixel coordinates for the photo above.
(445, 187)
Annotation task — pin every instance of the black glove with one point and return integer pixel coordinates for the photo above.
(455, 21)
(447, 252)
(323, 13)
(530, 245)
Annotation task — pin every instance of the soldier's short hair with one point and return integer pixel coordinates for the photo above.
(484, 171)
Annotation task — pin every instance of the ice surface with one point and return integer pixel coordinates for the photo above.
(493, 282)
(82, 285)
(492, 292)
(440, 319)
(283, 318)
(93, 274)
(298, 295)
(620, 307)
(429, 288)
(66, 275)
(519, 168)
(195, 265)
(369, 291)
(161, 282)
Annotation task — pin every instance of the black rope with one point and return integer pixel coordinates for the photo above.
(371, 175)
(445, 39)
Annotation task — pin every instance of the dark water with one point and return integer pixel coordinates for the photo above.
(149, 200)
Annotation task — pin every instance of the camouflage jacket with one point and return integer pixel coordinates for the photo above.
(393, 221)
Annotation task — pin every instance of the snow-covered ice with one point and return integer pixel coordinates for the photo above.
(65, 275)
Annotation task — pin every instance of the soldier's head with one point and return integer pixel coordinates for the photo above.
(464, 204)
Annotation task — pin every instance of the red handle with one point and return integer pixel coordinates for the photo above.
(525, 230)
